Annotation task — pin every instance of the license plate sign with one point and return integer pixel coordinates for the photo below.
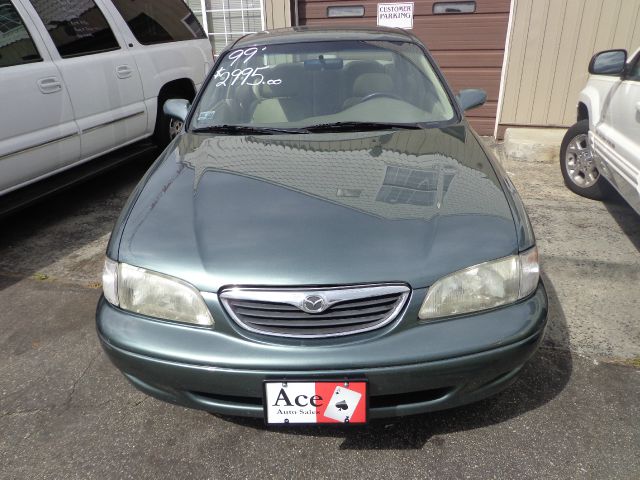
(297, 402)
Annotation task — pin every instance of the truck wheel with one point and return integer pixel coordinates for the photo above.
(578, 166)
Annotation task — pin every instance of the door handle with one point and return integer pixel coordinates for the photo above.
(123, 71)
(49, 85)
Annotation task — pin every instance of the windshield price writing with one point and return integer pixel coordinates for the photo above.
(245, 73)
(246, 76)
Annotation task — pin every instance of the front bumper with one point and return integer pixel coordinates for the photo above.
(429, 366)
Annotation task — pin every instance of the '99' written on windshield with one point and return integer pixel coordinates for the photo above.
(244, 75)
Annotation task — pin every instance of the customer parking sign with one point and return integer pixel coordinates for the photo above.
(399, 15)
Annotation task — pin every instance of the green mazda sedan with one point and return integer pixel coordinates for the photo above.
(326, 240)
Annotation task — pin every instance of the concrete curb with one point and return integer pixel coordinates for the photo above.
(533, 144)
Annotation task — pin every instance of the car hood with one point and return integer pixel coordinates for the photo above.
(319, 209)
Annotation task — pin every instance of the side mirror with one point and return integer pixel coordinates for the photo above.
(471, 98)
(609, 62)
(176, 108)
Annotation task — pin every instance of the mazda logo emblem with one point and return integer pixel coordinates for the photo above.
(314, 304)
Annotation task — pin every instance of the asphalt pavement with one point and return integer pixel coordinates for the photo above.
(66, 412)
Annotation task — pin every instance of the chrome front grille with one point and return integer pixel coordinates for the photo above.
(315, 312)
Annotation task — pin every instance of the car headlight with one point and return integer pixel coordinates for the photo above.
(153, 294)
(483, 286)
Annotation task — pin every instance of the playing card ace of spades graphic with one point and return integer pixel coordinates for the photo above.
(342, 404)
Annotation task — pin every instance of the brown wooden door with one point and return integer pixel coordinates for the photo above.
(469, 47)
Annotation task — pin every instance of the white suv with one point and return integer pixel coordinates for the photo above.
(82, 78)
(603, 148)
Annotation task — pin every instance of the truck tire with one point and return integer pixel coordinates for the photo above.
(578, 166)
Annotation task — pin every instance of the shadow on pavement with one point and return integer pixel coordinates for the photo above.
(626, 217)
(62, 223)
(541, 380)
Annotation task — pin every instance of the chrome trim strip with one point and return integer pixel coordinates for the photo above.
(65, 137)
(39, 145)
(111, 122)
(333, 295)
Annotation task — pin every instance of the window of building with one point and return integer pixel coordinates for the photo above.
(77, 27)
(228, 20)
(410, 186)
(454, 7)
(16, 46)
(160, 21)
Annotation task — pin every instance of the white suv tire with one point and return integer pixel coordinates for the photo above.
(578, 166)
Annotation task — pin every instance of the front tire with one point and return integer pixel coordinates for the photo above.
(578, 166)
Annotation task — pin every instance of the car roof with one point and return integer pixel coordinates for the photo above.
(325, 33)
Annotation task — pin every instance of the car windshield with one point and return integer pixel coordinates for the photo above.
(323, 84)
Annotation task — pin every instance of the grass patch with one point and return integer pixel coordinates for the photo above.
(629, 362)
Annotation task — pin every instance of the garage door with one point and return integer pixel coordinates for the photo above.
(468, 46)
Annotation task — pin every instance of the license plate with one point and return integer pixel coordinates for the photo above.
(295, 402)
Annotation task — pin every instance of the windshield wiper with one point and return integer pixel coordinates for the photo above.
(322, 127)
(361, 126)
(246, 130)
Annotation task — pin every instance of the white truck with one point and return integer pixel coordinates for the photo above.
(80, 79)
(602, 150)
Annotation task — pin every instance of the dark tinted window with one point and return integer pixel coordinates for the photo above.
(77, 27)
(159, 21)
(16, 46)
(634, 74)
